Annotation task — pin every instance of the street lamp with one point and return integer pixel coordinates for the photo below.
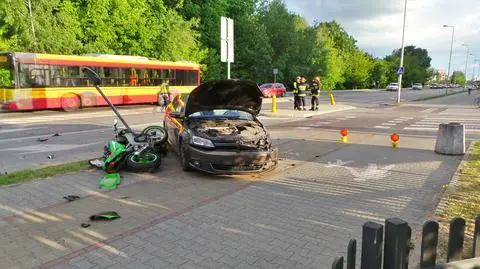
(450, 58)
(466, 64)
(401, 55)
(474, 65)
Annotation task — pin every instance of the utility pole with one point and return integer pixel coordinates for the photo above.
(401, 55)
(450, 58)
(466, 64)
(474, 65)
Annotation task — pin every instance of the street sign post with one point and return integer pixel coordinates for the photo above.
(226, 42)
(275, 72)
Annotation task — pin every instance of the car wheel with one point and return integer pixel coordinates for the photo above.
(183, 158)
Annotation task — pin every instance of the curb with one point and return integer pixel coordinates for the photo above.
(307, 115)
(454, 182)
(436, 96)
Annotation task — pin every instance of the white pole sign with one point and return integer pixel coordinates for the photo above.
(226, 42)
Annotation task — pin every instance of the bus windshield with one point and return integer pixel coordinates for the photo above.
(7, 79)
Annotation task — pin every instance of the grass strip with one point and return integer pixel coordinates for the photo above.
(44, 172)
(464, 202)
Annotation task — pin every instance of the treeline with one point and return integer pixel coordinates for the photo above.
(267, 36)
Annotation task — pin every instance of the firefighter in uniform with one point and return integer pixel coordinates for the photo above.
(302, 92)
(295, 94)
(315, 90)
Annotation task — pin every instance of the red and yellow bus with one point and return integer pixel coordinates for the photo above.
(31, 81)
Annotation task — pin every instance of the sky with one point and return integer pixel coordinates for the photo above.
(377, 26)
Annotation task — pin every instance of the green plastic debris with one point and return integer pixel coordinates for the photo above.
(110, 181)
(109, 215)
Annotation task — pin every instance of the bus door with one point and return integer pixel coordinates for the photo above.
(130, 87)
(37, 95)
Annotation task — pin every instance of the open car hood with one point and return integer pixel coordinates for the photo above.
(225, 94)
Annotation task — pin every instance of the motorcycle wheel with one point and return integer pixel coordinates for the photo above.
(146, 162)
(159, 132)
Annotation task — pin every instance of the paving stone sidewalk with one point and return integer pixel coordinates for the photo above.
(301, 217)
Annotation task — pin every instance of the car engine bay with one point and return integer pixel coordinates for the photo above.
(243, 133)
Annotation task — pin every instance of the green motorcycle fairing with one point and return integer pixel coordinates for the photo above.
(116, 150)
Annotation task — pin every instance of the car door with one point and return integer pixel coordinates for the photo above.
(174, 121)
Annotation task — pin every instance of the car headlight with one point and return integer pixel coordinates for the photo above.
(201, 142)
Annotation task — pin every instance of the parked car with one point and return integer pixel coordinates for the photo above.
(269, 89)
(217, 131)
(417, 86)
(392, 87)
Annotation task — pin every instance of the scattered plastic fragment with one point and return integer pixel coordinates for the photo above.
(110, 181)
(109, 215)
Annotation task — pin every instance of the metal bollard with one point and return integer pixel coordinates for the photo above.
(332, 98)
(274, 103)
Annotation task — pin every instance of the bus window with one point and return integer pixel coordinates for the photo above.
(34, 75)
(186, 78)
(7, 78)
(56, 79)
(74, 78)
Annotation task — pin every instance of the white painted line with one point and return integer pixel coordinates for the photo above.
(303, 128)
(407, 118)
(389, 124)
(381, 127)
(52, 118)
(420, 129)
(455, 119)
(20, 129)
(99, 130)
(428, 110)
(471, 131)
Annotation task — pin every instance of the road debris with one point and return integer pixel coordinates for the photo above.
(51, 157)
(71, 198)
(105, 216)
(85, 225)
(110, 181)
(47, 138)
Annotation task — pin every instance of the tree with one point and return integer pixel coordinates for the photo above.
(56, 26)
(458, 77)
(380, 73)
(358, 71)
(416, 64)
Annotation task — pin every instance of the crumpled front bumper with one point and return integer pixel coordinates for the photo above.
(232, 161)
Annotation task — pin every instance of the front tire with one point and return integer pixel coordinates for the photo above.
(183, 158)
(147, 162)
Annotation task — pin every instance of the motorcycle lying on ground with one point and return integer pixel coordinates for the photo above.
(132, 151)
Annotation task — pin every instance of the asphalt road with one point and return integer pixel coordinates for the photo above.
(84, 133)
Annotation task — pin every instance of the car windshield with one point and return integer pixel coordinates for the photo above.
(394, 84)
(222, 113)
(267, 86)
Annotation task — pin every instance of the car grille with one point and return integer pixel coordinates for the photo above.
(233, 146)
(233, 168)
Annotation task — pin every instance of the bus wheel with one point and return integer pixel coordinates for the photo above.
(70, 102)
